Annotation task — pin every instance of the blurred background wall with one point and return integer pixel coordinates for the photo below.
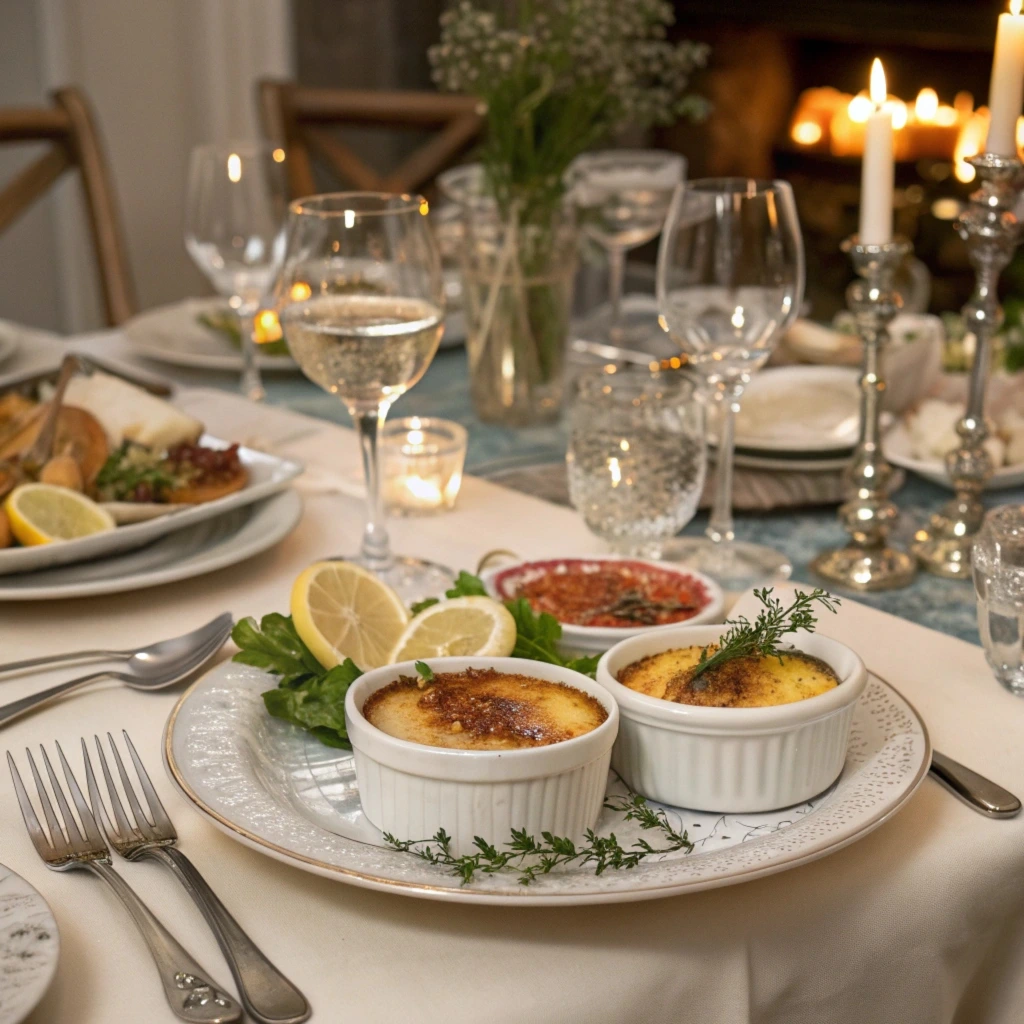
(162, 75)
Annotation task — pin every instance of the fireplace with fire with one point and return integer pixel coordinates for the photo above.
(789, 86)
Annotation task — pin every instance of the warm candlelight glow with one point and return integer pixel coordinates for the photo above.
(234, 167)
(807, 133)
(963, 102)
(970, 143)
(899, 114)
(926, 106)
(859, 109)
(267, 327)
(300, 291)
(1015, 7)
(878, 91)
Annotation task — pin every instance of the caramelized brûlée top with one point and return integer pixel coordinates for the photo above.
(483, 709)
(750, 682)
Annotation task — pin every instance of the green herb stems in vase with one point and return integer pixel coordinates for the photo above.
(556, 78)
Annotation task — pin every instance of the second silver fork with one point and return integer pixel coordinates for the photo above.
(268, 996)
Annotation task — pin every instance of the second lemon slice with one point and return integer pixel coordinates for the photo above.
(461, 627)
(342, 611)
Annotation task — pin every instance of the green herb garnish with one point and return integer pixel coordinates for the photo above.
(426, 673)
(465, 585)
(529, 858)
(308, 695)
(763, 635)
(131, 467)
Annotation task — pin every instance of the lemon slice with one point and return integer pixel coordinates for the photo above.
(342, 611)
(44, 513)
(461, 627)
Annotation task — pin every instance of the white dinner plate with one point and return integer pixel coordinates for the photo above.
(898, 450)
(208, 545)
(810, 410)
(275, 788)
(29, 947)
(802, 463)
(268, 474)
(173, 335)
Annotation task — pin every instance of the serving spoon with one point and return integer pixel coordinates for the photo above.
(141, 672)
(154, 656)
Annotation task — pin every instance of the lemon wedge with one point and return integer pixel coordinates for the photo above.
(342, 611)
(44, 513)
(461, 627)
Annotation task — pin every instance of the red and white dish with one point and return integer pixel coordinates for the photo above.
(499, 581)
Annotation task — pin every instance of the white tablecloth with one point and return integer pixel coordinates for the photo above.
(919, 923)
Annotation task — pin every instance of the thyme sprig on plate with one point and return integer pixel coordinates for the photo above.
(762, 636)
(529, 858)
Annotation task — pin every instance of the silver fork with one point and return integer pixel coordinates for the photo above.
(268, 996)
(190, 994)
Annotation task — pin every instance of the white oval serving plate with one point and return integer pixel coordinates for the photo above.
(212, 544)
(276, 789)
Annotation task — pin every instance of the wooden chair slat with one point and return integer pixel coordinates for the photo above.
(345, 163)
(69, 124)
(31, 182)
(300, 116)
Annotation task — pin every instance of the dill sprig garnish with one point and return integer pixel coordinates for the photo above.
(529, 857)
(762, 636)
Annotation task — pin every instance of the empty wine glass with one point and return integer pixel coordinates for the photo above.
(622, 196)
(730, 282)
(636, 455)
(361, 301)
(236, 204)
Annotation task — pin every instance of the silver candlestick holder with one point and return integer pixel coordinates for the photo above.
(992, 231)
(867, 562)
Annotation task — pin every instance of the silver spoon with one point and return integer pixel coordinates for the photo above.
(139, 673)
(162, 653)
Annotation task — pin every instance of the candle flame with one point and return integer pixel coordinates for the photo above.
(926, 106)
(1015, 6)
(234, 167)
(878, 90)
(859, 109)
(970, 143)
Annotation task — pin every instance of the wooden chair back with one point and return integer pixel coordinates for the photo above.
(300, 118)
(71, 130)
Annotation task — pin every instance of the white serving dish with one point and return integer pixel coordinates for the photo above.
(597, 639)
(268, 474)
(731, 760)
(411, 790)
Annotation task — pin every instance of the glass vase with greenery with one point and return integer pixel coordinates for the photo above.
(556, 78)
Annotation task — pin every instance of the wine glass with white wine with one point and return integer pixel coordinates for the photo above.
(730, 283)
(360, 298)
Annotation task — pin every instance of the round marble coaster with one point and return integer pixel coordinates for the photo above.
(29, 947)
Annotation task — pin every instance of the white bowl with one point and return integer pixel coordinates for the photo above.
(578, 640)
(731, 759)
(411, 790)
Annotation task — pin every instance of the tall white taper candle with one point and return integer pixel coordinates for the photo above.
(877, 171)
(1006, 93)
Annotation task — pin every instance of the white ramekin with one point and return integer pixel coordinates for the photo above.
(731, 759)
(411, 790)
(578, 640)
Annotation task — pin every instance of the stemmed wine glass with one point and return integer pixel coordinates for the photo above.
(360, 297)
(730, 282)
(622, 196)
(236, 204)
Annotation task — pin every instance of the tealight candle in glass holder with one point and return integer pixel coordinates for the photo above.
(421, 464)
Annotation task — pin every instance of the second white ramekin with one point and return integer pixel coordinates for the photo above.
(411, 790)
(731, 759)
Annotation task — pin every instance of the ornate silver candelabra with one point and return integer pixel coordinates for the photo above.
(867, 562)
(992, 231)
